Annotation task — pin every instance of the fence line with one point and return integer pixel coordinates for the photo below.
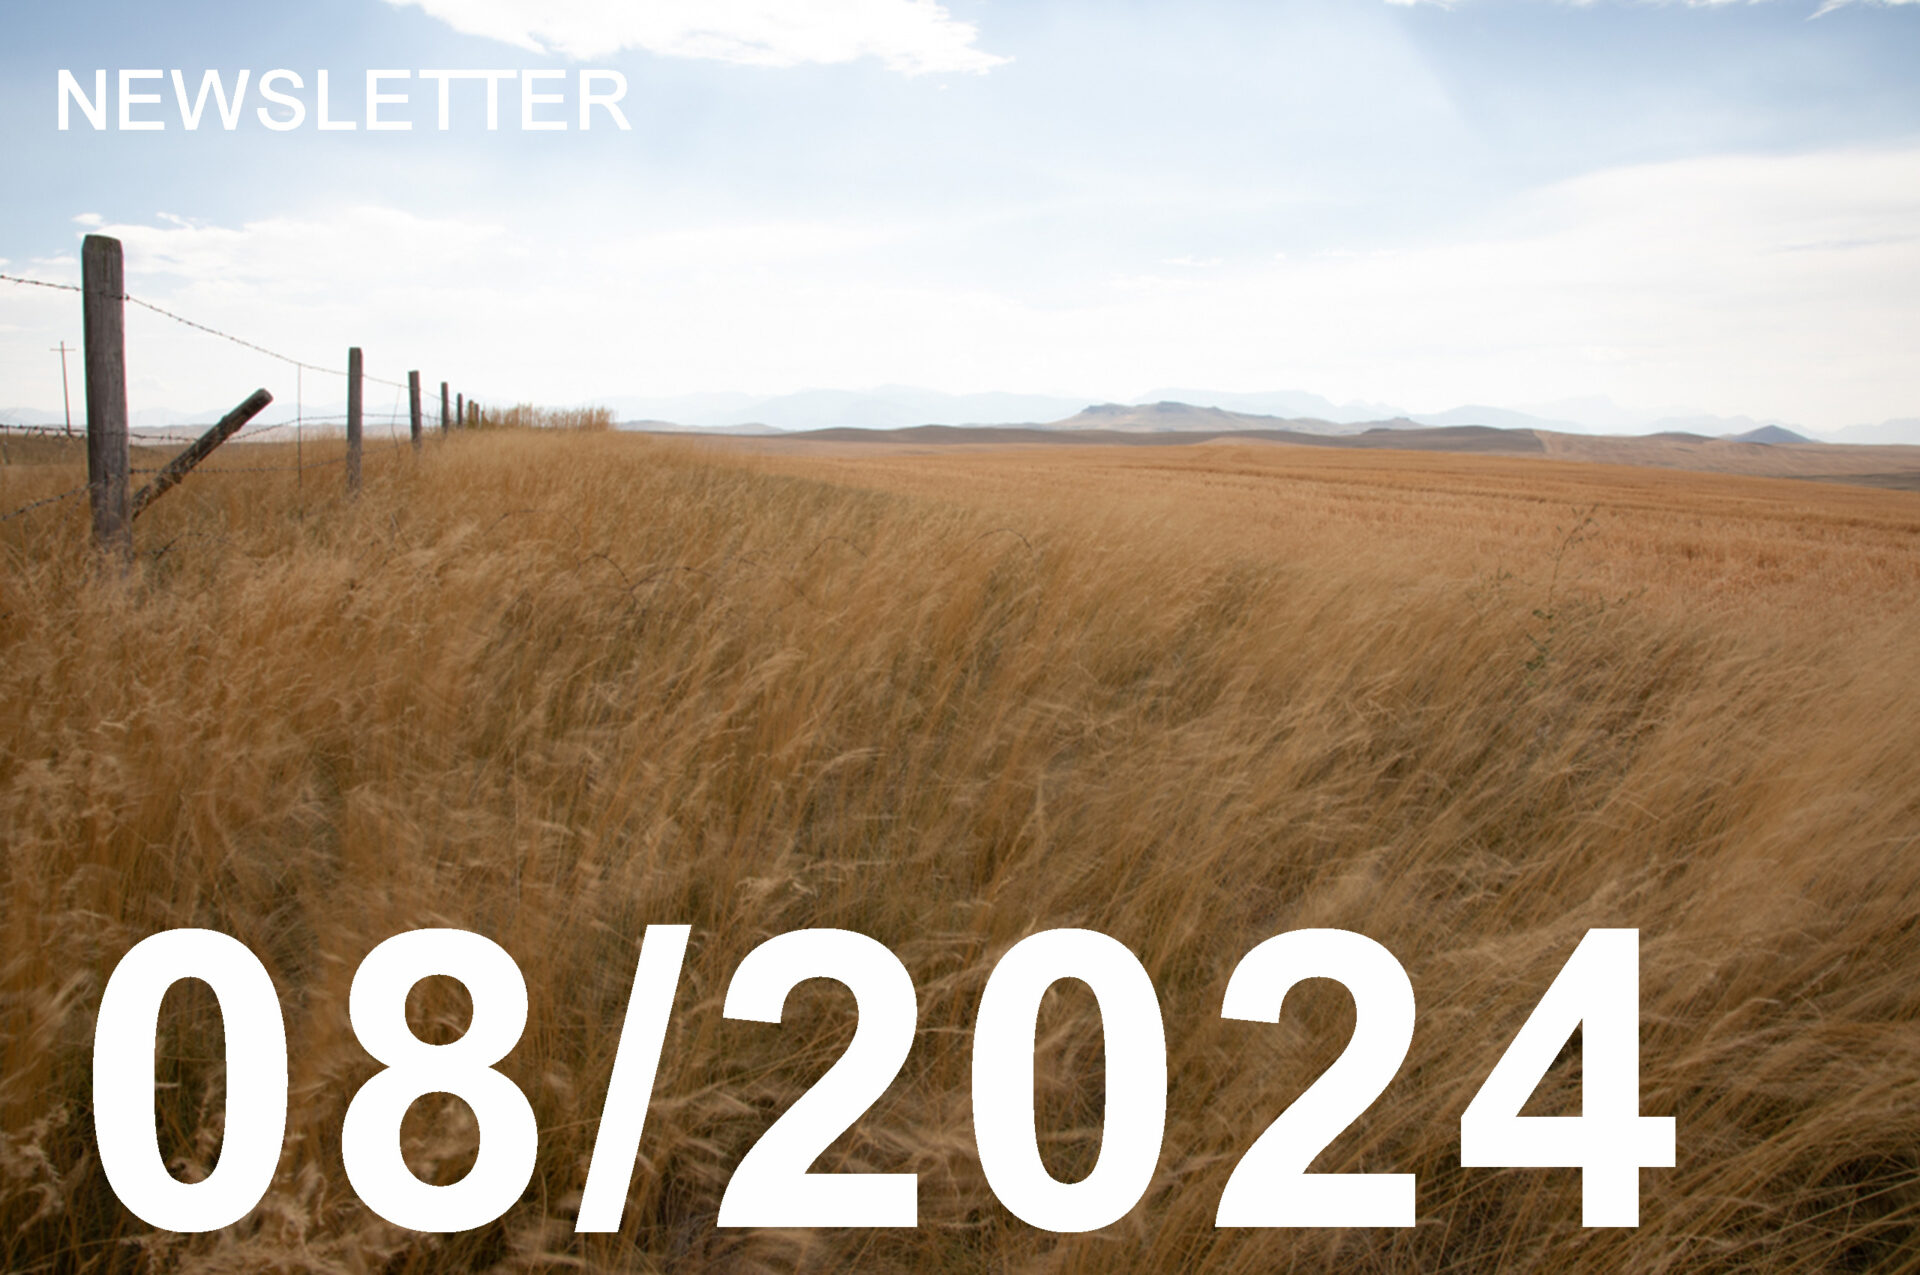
(108, 436)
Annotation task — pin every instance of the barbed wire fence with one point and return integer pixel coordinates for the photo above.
(109, 437)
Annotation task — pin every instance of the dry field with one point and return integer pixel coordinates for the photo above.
(552, 688)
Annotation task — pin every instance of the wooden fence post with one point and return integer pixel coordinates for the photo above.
(183, 464)
(103, 310)
(446, 408)
(460, 409)
(353, 421)
(413, 406)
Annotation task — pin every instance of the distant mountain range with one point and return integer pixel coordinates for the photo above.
(1769, 434)
(1176, 409)
(1183, 418)
(1186, 418)
(1443, 438)
(1186, 410)
(1905, 430)
(1285, 404)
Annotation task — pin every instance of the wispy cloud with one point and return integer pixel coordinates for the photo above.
(1828, 6)
(910, 36)
(1584, 4)
(1831, 5)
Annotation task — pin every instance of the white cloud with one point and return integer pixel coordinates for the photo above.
(1831, 5)
(1827, 6)
(910, 36)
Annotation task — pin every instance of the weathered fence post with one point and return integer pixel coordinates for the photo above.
(413, 406)
(446, 408)
(202, 447)
(353, 421)
(460, 409)
(103, 311)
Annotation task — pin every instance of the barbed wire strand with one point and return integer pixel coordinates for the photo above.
(252, 469)
(251, 345)
(206, 328)
(40, 283)
(41, 504)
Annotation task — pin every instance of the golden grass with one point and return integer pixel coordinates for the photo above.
(526, 416)
(555, 688)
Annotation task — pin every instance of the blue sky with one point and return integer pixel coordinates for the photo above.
(1708, 207)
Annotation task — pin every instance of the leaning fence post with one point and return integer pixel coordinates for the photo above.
(202, 447)
(103, 310)
(413, 406)
(353, 421)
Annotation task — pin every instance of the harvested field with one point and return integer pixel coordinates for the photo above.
(553, 688)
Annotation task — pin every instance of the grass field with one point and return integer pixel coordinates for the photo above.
(553, 688)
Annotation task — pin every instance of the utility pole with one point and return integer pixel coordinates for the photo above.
(66, 399)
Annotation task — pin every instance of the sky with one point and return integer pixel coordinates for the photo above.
(1681, 207)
